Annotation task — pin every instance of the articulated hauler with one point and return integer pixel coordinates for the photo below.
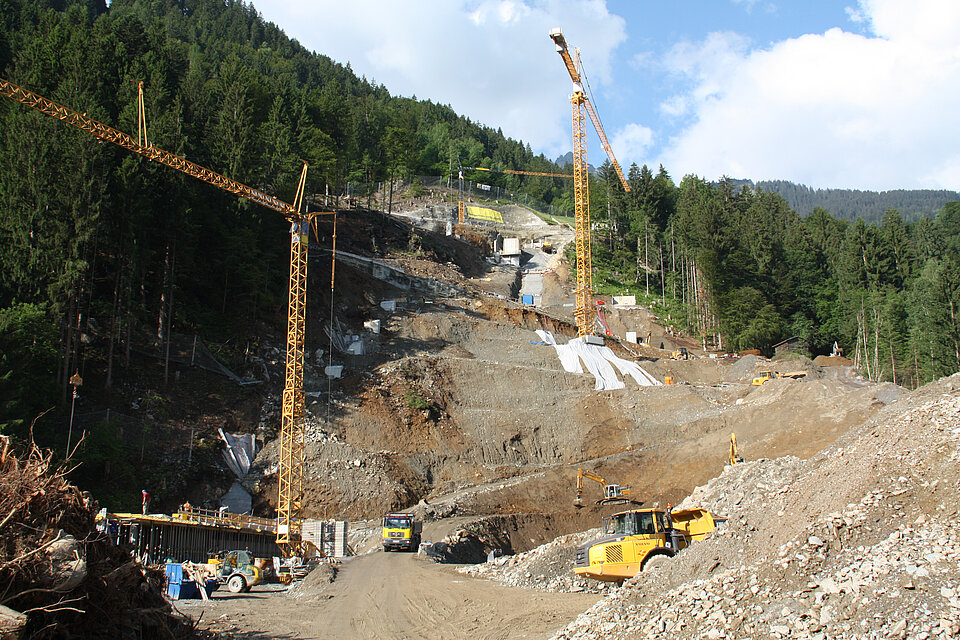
(639, 538)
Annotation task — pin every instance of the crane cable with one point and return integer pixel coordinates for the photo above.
(590, 98)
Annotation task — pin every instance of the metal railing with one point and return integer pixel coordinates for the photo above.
(216, 518)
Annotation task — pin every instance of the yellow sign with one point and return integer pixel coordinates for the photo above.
(483, 213)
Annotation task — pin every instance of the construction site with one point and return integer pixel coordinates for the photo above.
(459, 369)
(839, 522)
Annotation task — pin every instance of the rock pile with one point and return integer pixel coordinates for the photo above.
(861, 541)
(548, 567)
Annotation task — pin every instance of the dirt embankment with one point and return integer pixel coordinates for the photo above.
(859, 540)
(393, 596)
(458, 403)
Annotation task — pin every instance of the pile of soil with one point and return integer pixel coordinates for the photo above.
(65, 577)
(547, 567)
(859, 541)
(316, 584)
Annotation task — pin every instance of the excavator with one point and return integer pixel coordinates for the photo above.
(612, 493)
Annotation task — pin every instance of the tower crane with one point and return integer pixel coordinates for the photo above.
(290, 492)
(522, 173)
(581, 194)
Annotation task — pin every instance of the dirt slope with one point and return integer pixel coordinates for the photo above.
(458, 403)
(859, 541)
(393, 596)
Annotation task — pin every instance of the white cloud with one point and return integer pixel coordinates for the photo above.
(491, 60)
(632, 141)
(769, 7)
(873, 111)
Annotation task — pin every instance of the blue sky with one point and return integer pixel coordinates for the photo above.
(829, 93)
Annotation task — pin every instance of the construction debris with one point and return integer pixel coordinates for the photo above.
(63, 576)
(860, 541)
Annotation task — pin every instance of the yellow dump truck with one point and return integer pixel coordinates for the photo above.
(400, 531)
(769, 375)
(638, 538)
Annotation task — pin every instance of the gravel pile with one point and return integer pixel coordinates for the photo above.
(861, 541)
(548, 567)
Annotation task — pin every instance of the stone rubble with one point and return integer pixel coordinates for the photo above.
(861, 541)
(547, 567)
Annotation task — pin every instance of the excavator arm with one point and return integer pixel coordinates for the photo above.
(581, 474)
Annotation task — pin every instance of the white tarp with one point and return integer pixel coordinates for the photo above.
(599, 361)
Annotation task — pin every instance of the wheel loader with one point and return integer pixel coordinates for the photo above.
(236, 569)
(640, 538)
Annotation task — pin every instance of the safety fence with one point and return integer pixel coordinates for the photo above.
(376, 195)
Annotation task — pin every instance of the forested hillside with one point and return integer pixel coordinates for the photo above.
(742, 269)
(101, 241)
(850, 204)
(94, 234)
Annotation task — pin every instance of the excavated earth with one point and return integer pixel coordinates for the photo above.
(457, 408)
(458, 412)
(859, 540)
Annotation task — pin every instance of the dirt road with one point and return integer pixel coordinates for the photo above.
(392, 595)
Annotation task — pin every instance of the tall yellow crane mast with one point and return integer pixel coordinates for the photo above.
(581, 187)
(291, 429)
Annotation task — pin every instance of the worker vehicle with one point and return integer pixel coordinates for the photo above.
(400, 531)
(612, 493)
(637, 539)
(236, 569)
(680, 354)
(769, 375)
(735, 456)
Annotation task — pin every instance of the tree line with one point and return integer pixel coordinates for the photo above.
(851, 204)
(101, 242)
(740, 269)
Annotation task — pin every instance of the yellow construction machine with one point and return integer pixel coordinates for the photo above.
(637, 539)
(400, 531)
(612, 493)
(680, 354)
(236, 569)
(735, 456)
(772, 373)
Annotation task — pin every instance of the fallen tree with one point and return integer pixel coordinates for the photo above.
(61, 577)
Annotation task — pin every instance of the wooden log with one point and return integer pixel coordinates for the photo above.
(11, 623)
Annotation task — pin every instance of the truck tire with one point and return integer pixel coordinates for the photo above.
(236, 584)
(654, 560)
